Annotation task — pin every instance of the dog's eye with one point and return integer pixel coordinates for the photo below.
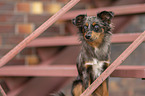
(85, 27)
(96, 27)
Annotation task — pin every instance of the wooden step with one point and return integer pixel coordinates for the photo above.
(118, 10)
(73, 40)
(124, 71)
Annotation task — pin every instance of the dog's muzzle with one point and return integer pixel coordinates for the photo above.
(88, 35)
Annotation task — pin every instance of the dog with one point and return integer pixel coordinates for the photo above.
(94, 33)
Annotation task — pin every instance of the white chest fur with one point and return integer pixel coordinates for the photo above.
(97, 67)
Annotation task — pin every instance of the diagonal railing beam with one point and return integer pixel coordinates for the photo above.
(37, 32)
(2, 91)
(114, 65)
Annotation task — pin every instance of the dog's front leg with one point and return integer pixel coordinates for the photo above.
(77, 87)
(85, 78)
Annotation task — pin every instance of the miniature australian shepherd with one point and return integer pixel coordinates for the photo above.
(94, 33)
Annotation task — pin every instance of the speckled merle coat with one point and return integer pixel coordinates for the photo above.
(94, 57)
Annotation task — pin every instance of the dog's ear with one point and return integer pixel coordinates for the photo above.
(78, 21)
(106, 16)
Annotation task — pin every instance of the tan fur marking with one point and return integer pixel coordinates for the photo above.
(105, 89)
(78, 89)
(107, 64)
(86, 66)
(102, 90)
(98, 38)
(87, 24)
(94, 23)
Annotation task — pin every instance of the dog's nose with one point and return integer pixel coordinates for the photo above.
(88, 36)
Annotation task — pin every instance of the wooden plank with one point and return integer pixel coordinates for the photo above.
(39, 71)
(54, 41)
(118, 10)
(73, 40)
(67, 71)
(129, 72)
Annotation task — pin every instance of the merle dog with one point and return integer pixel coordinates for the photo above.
(94, 57)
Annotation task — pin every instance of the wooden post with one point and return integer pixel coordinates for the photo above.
(114, 65)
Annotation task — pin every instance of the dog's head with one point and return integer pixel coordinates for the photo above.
(94, 27)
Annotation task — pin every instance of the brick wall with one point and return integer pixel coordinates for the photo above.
(19, 18)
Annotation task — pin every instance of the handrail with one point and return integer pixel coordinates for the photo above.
(114, 65)
(37, 32)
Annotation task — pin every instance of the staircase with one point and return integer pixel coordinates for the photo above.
(54, 74)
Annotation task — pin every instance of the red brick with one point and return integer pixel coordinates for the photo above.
(3, 51)
(8, 17)
(39, 19)
(24, 28)
(37, 0)
(53, 30)
(11, 39)
(32, 60)
(63, 0)
(37, 7)
(23, 7)
(7, 6)
(7, 28)
(47, 0)
(16, 61)
(52, 8)
(0, 41)
(26, 51)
